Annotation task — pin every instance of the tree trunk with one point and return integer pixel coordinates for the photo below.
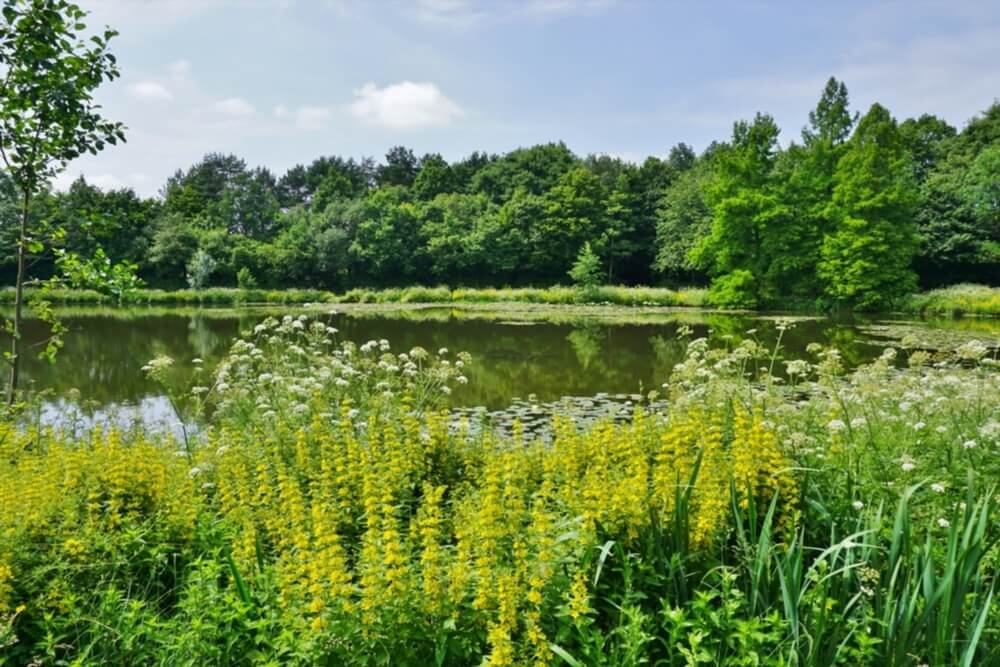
(15, 346)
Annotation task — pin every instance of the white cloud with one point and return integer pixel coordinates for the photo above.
(404, 105)
(151, 90)
(233, 106)
(306, 117)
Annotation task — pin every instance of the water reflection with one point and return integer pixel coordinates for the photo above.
(514, 356)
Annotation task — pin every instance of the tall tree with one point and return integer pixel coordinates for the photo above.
(249, 204)
(681, 157)
(926, 139)
(807, 176)
(866, 259)
(400, 168)
(747, 216)
(960, 234)
(574, 212)
(535, 170)
(434, 178)
(197, 192)
(683, 219)
(47, 111)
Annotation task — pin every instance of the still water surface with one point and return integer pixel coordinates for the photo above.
(516, 353)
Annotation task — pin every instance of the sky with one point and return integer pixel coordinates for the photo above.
(282, 82)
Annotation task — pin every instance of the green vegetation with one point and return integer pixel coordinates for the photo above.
(330, 514)
(977, 300)
(958, 300)
(48, 117)
(606, 294)
(855, 215)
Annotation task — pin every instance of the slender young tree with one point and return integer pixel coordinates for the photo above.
(49, 70)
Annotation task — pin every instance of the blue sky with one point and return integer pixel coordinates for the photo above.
(281, 82)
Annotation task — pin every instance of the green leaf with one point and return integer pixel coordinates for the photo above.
(564, 654)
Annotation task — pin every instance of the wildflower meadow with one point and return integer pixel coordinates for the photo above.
(328, 509)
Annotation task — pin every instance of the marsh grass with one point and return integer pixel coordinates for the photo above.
(958, 300)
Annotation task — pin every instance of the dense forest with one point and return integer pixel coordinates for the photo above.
(858, 212)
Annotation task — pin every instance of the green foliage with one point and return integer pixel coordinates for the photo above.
(587, 271)
(748, 205)
(684, 218)
(749, 214)
(245, 279)
(118, 280)
(200, 269)
(48, 117)
(958, 216)
(867, 256)
(740, 528)
(736, 289)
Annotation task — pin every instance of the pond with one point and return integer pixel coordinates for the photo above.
(519, 352)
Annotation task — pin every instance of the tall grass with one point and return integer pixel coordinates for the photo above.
(210, 296)
(964, 299)
(957, 300)
(615, 295)
(334, 513)
(557, 295)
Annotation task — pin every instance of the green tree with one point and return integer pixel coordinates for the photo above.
(806, 173)
(587, 270)
(926, 139)
(627, 239)
(386, 245)
(574, 212)
(505, 236)
(681, 158)
(249, 205)
(197, 192)
(335, 186)
(748, 215)
(174, 243)
(245, 279)
(958, 226)
(454, 249)
(434, 178)
(48, 115)
(535, 170)
(119, 221)
(866, 259)
(400, 168)
(200, 269)
(683, 219)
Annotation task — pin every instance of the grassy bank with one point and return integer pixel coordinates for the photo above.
(333, 515)
(625, 296)
(958, 300)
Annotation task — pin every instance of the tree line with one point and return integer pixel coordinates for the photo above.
(858, 212)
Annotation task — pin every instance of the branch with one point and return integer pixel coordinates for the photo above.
(3, 154)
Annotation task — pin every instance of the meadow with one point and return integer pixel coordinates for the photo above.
(329, 510)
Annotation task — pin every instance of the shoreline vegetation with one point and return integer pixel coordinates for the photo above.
(966, 300)
(329, 514)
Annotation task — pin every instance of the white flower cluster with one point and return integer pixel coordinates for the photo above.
(295, 369)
